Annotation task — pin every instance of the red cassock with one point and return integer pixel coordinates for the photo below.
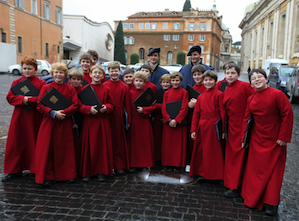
(151, 85)
(140, 136)
(120, 94)
(273, 120)
(97, 154)
(22, 134)
(190, 142)
(235, 101)
(55, 152)
(174, 141)
(207, 157)
(157, 125)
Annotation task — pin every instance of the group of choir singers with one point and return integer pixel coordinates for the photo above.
(46, 141)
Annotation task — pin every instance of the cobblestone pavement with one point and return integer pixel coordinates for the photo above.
(128, 198)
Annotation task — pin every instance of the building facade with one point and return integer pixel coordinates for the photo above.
(34, 27)
(173, 32)
(270, 30)
(81, 34)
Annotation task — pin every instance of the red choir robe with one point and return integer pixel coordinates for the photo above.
(207, 157)
(55, 152)
(89, 80)
(140, 136)
(174, 141)
(151, 85)
(22, 134)
(273, 120)
(120, 94)
(97, 153)
(218, 85)
(190, 142)
(235, 101)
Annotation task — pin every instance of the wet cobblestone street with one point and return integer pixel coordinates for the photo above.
(128, 198)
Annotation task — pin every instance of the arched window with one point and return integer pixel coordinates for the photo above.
(125, 40)
(126, 55)
(169, 57)
(141, 53)
(131, 40)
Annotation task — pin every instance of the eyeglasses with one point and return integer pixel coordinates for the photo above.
(257, 78)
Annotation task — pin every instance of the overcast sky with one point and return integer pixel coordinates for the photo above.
(232, 11)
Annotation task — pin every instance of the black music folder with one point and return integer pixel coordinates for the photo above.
(218, 126)
(192, 92)
(145, 99)
(160, 95)
(173, 109)
(249, 127)
(223, 86)
(26, 88)
(55, 100)
(89, 97)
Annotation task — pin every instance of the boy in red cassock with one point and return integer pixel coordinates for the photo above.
(55, 152)
(75, 80)
(271, 131)
(128, 78)
(97, 154)
(207, 157)
(234, 101)
(197, 72)
(140, 136)
(120, 94)
(174, 139)
(24, 125)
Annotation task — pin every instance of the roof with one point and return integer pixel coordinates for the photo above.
(157, 14)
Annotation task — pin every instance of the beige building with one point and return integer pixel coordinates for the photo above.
(270, 30)
(173, 32)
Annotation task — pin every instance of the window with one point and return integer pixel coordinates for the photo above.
(47, 11)
(141, 53)
(125, 41)
(126, 55)
(190, 37)
(201, 37)
(47, 50)
(19, 3)
(140, 26)
(154, 26)
(191, 26)
(176, 25)
(20, 45)
(58, 16)
(169, 58)
(132, 26)
(131, 41)
(147, 25)
(3, 37)
(203, 26)
(166, 37)
(125, 26)
(34, 7)
(5, 0)
(165, 26)
(175, 37)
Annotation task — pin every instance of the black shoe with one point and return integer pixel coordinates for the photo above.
(120, 172)
(86, 179)
(11, 176)
(101, 178)
(231, 193)
(70, 181)
(47, 184)
(169, 169)
(178, 170)
(200, 178)
(133, 170)
(270, 210)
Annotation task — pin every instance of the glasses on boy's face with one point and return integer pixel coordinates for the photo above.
(258, 77)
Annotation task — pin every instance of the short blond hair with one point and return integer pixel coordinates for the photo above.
(60, 67)
(176, 74)
(165, 77)
(140, 74)
(97, 66)
(113, 64)
(76, 73)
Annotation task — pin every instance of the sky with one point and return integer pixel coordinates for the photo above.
(232, 11)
